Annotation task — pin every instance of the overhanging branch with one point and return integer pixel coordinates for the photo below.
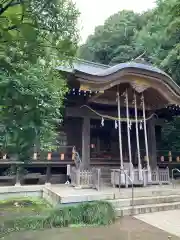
(9, 4)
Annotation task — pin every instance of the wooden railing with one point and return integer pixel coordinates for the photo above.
(159, 176)
(90, 178)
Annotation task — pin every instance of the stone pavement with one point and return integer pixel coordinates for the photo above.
(168, 221)
(126, 229)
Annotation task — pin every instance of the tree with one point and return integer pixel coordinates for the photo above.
(160, 37)
(30, 107)
(113, 42)
(160, 40)
(33, 36)
(33, 29)
(126, 35)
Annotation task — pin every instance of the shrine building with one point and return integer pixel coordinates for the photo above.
(113, 117)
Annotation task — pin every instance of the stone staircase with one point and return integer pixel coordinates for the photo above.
(163, 201)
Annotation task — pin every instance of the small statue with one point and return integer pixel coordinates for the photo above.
(76, 158)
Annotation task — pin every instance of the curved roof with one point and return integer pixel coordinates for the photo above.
(111, 70)
(108, 76)
(82, 66)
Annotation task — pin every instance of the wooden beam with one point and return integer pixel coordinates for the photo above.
(152, 143)
(85, 112)
(86, 142)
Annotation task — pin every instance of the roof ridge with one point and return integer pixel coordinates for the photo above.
(91, 63)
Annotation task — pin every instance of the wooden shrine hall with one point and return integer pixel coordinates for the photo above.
(111, 115)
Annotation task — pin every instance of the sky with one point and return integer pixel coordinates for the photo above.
(95, 12)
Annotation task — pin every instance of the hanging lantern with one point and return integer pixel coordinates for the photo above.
(162, 158)
(62, 156)
(116, 124)
(102, 122)
(49, 156)
(35, 156)
(170, 156)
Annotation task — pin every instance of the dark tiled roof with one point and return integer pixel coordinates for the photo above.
(121, 66)
(97, 69)
(83, 66)
(101, 70)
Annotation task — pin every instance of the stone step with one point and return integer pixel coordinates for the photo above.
(141, 209)
(146, 192)
(118, 203)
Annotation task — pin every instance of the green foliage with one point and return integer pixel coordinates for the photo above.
(171, 135)
(112, 43)
(30, 104)
(126, 35)
(94, 213)
(24, 202)
(33, 36)
(33, 29)
(100, 213)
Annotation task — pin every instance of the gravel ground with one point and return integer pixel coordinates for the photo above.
(126, 229)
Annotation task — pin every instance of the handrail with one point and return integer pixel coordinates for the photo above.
(173, 170)
(132, 188)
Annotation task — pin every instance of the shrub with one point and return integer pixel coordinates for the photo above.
(25, 202)
(94, 213)
(23, 223)
(101, 213)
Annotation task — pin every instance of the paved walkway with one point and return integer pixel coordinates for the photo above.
(127, 229)
(65, 190)
(168, 221)
(69, 194)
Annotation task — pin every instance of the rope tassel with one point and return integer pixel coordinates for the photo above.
(116, 125)
(141, 126)
(102, 122)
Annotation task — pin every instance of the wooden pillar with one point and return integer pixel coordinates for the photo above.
(152, 143)
(48, 175)
(86, 142)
